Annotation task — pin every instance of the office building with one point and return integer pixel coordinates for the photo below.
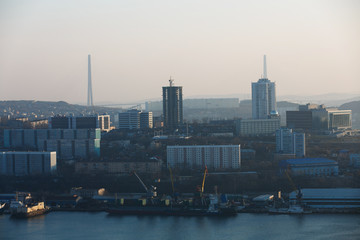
(263, 96)
(318, 117)
(217, 157)
(27, 163)
(299, 120)
(331, 119)
(289, 142)
(129, 119)
(310, 166)
(82, 122)
(135, 119)
(146, 120)
(257, 127)
(172, 106)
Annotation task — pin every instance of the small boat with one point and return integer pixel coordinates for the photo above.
(292, 209)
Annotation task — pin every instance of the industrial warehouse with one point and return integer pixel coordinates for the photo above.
(329, 198)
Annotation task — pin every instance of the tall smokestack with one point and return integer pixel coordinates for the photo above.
(89, 96)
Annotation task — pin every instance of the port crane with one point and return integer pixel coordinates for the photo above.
(172, 180)
(296, 189)
(151, 193)
(203, 182)
(203, 186)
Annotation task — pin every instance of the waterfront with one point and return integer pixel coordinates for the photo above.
(100, 225)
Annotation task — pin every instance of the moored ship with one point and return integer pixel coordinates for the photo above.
(205, 206)
(292, 209)
(213, 209)
(28, 210)
(25, 207)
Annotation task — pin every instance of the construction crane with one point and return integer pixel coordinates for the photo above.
(151, 193)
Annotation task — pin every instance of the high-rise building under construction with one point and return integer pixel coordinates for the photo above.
(172, 106)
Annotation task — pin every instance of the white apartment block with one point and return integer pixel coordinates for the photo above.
(27, 163)
(217, 157)
(257, 127)
(289, 142)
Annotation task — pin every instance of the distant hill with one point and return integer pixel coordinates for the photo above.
(44, 109)
(354, 106)
(286, 104)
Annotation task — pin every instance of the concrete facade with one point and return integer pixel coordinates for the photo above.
(27, 163)
(68, 143)
(197, 157)
(135, 119)
(256, 127)
(153, 167)
(289, 142)
(80, 122)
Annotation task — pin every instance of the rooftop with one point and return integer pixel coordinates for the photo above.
(306, 161)
(328, 193)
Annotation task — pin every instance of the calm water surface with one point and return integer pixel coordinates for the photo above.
(82, 225)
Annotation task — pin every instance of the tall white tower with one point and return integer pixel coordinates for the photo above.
(263, 96)
(89, 95)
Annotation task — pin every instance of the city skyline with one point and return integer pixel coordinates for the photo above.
(136, 45)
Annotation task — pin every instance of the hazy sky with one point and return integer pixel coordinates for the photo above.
(209, 47)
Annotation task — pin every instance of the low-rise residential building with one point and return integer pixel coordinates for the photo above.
(248, 154)
(355, 160)
(151, 166)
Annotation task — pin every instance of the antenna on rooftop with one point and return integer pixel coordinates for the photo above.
(265, 70)
(89, 96)
(171, 81)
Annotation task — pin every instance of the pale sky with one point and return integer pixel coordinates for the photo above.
(208, 47)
